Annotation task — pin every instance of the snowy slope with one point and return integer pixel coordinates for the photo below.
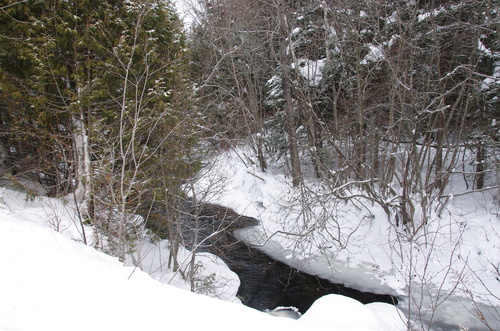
(49, 281)
(449, 272)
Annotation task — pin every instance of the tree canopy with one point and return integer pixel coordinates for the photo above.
(95, 99)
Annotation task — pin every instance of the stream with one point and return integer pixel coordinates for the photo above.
(265, 282)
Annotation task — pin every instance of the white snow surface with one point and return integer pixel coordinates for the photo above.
(50, 280)
(448, 273)
(311, 70)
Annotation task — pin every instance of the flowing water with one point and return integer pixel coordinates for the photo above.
(265, 282)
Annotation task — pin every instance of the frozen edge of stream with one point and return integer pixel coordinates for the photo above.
(454, 313)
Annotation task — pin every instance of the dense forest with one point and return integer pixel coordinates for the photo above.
(387, 99)
(96, 103)
(378, 92)
(117, 107)
(115, 104)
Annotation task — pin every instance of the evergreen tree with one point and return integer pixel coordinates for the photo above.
(95, 97)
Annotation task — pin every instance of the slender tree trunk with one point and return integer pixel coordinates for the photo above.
(82, 194)
(287, 94)
(480, 160)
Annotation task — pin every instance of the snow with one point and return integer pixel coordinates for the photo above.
(50, 280)
(375, 54)
(393, 18)
(494, 79)
(311, 70)
(430, 14)
(488, 82)
(384, 316)
(448, 273)
(213, 277)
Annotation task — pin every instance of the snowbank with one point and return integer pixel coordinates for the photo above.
(449, 272)
(53, 282)
(343, 313)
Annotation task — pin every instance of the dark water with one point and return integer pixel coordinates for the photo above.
(265, 282)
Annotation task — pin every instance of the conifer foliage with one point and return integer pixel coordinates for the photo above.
(94, 101)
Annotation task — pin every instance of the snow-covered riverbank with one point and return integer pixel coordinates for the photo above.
(448, 273)
(51, 281)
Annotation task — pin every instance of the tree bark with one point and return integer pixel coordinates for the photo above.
(290, 121)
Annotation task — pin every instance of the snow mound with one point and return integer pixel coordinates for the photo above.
(51, 282)
(342, 313)
(388, 316)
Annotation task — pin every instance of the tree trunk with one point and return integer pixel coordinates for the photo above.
(290, 124)
(480, 160)
(82, 194)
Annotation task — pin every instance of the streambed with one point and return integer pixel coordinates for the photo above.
(265, 282)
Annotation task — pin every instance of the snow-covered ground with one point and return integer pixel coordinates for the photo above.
(50, 280)
(448, 273)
